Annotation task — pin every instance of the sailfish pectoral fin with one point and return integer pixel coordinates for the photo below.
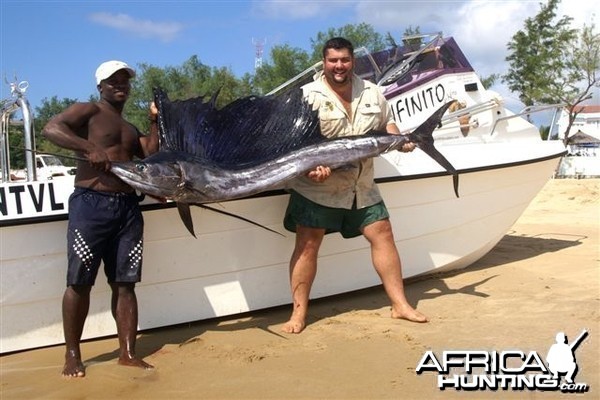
(422, 136)
(239, 217)
(186, 217)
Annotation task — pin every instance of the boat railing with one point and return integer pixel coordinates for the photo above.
(527, 111)
(487, 106)
(300, 78)
(18, 101)
(471, 111)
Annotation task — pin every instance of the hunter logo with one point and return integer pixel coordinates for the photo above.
(509, 369)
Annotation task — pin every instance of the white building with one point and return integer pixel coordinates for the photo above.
(583, 146)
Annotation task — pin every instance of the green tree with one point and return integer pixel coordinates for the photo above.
(179, 82)
(286, 63)
(544, 132)
(191, 79)
(361, 35)
(16, 145)
(48, 109)
(390, 41)
(414, 34)
(412, 37)
(552, 63)
(581, 74)
(488, 81)
(538, 55)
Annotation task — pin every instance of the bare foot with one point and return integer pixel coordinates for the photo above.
(294, 325)
(408, 313)
(134, 362)
(73, 368)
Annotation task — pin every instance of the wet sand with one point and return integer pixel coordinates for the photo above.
(542, 278)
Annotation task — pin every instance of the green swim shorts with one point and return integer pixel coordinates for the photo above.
(301, 211)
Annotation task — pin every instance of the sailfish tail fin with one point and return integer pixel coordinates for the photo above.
(422, 136)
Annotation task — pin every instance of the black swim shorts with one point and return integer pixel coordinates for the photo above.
(108, 227)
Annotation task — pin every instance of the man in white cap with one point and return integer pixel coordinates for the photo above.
(105, 221)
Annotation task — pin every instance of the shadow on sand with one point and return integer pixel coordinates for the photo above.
(511, 248)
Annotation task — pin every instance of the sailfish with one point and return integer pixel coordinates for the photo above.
(252, 145)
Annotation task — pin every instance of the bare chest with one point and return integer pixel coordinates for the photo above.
(347, 107)
(113, 134)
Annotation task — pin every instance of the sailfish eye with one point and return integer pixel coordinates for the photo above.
(141, 167)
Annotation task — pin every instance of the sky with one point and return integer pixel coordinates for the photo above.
(56, 45)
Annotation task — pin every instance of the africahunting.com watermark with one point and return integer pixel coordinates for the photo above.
(508, 369)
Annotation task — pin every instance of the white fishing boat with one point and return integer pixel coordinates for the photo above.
(234, 267)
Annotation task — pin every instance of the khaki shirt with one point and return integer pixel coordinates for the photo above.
(356, 180)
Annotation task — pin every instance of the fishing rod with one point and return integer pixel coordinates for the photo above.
(47, 153)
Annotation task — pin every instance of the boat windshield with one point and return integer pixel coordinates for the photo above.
(418, 55)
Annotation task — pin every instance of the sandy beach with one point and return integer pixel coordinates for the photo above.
(542, 278)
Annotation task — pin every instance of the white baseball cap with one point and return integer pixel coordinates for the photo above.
(106, 69)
